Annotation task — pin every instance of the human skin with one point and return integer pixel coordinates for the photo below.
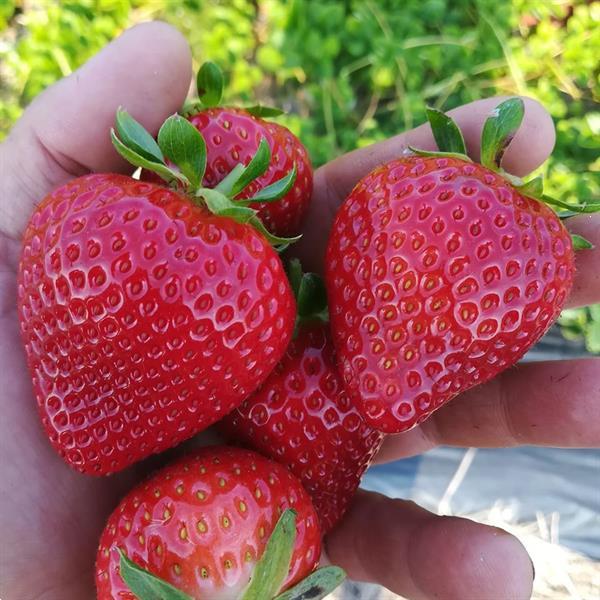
(51, 516)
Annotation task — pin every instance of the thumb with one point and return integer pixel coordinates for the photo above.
(64, 133)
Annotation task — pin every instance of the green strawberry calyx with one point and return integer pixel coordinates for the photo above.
(498, 132)
(184, 170)
(266, 581)
(209, 86)
(310, 293)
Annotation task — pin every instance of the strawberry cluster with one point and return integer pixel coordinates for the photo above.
(153, 307)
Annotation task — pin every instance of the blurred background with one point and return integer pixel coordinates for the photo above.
(349, 73)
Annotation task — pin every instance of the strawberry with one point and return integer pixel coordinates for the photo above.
(147, 314)
(221, 524)
(232, 137)
(302, 417)
(441, 273)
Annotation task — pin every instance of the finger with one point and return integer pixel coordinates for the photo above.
(422, 556)
(586, 287)
(554, 403)
(530, 147)
(65, 131)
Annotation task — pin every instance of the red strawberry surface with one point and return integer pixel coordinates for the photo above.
(302, 417)
(440, 274)
(232, 136)
(202, 523)
(145, 318)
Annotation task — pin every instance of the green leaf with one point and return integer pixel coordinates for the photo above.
(582, 207)
(448, 136)
(226, 184)
(310, 293)
(185, 146)
(273, 567)
(280, 243)
(216, 202)
(135, 137)
(534, 188)
(580, 243)
(276, 190)
(145, 585)
(295, 274)
(592, 337)
(137, 160)
(263, 112)
(594, 310)
(221, 205)
(210, 84)
(499, 130)
(241, 214)
(512, 179)
(316, 586)
(312, 296)
(439, 154)
(255, 168)
(566, 214)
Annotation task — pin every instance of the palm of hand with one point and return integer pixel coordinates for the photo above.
(52, 516)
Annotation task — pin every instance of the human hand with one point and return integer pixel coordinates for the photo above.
(52, 516)
(396, 543)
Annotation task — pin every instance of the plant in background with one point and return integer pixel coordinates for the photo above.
(583, 323)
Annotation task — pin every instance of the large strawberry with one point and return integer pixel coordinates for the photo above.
(219, 524)
(302, 417)
(441, 273)
(148, 314)
(232, 137)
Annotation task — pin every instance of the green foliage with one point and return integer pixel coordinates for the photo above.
(348, 72)
(583, 323)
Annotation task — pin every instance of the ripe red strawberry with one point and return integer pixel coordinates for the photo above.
(199, 527)
(441, 273)
(232, 137)
(302, 417)
(145, 316)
